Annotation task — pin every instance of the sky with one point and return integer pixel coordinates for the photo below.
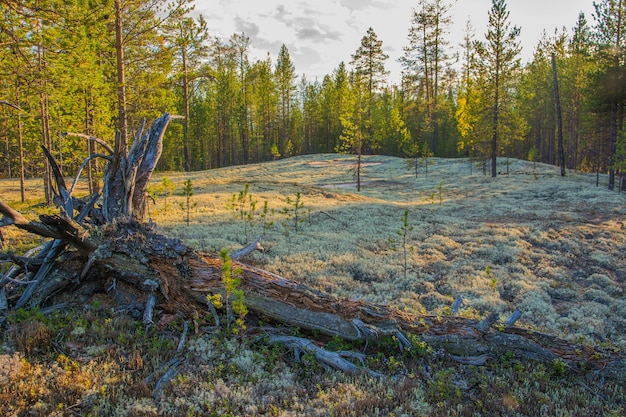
(319, 34)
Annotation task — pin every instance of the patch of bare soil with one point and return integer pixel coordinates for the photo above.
(339, 162)
(369, 184)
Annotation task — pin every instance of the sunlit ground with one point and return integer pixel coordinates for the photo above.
(548, 246)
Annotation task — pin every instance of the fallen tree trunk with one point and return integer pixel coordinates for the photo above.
(149, 273)
(134, 265)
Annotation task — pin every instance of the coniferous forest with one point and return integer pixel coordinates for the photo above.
(441, 295)
(76, 68)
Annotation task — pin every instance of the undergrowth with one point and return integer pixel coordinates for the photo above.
(96, 362)
(484, 240)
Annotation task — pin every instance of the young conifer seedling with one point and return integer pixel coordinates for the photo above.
(188, 192)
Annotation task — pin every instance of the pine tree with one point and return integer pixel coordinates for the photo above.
(468, 103)
(241, 43)
(285, 75)
(353, 117)
(579, 64)
(425, 57)
(499, 61)
(369, 66)
(188, 41)
(265, 109)
(610, 16)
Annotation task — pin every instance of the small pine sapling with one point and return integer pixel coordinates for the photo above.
(265, 213)
(152, 194)
(249, 216)
(188, 192)
(231, 205)
(275, 152)
(241, 201)
(294, 211)
(233, 296)
(403, 233)
(412, 152)
(426, 154)
(533, 154)
(166, 189)
(439, 190)
(493, 281)
(243, 207)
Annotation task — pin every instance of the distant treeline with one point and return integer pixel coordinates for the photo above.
(98, 67)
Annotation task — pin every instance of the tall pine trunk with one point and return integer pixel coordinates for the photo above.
(496, 111)
(20, 146)
(614, 132)
(122, 145)
(559, 117)
(186, 156)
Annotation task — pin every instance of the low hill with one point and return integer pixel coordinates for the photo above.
(552, 247)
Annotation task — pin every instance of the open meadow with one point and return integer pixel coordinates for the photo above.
(551, 247)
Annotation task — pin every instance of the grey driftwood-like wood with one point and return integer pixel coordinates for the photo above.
(96, 251)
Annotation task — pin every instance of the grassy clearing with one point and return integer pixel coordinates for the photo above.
(551, 247)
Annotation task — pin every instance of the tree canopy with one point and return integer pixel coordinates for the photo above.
(70, 68)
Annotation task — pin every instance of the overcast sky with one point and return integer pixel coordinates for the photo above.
(319, 34)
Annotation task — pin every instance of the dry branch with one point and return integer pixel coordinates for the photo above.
(93, 139)
(335, 360)
(247, 250)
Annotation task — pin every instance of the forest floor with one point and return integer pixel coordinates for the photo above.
(551, 247)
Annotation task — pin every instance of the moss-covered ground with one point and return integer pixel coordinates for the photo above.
(531, 240)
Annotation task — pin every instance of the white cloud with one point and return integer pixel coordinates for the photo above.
(320, 34)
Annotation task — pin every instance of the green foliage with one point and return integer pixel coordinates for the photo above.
(166, 189)
(442, 387)
(275, 152)
(558, 367)
(262, 113)
(498, 66)
(403, 234)
(419, 348)
(337, 344)
(533, 155)
(234, 297)
(187, 192)
(23, 315)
